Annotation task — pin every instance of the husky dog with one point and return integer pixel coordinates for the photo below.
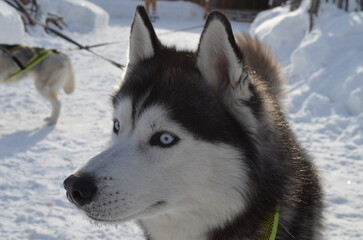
(51, 74)
(200, 148)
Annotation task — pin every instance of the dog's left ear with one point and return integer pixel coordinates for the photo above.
(219, 59)
(143, 40)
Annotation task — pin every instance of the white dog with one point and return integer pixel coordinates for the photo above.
(51, 72)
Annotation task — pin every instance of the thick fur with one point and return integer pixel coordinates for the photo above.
(231, 157)
(50, 75)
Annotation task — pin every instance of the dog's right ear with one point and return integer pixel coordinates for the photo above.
(143, 40)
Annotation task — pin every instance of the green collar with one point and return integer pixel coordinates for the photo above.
(271, 225)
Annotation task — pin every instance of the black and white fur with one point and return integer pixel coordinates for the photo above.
(50, 75)
(201, 149)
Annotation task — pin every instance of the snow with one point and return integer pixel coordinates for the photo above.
(165, 9)
(324, 69)
(281, 29)
(80, 15)
(355, 101)
(11, 26)
(325, 75)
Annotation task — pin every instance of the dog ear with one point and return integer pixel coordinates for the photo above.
(143, 40)
(219, 59)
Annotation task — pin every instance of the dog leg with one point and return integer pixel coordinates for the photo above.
(49, 90)
(56, 106)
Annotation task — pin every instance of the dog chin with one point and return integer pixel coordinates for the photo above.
(149, 211)
(99, 219)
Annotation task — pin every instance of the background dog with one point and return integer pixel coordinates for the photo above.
(51, 74)
(200, 147)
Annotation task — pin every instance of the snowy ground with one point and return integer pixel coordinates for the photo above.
(35, 159)
(325, 75)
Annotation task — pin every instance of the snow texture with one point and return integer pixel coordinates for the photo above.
(80, 15)
(325, 75)
(324, 69)
(11, 26)
(165, 9)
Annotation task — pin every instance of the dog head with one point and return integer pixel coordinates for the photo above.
(177, 147)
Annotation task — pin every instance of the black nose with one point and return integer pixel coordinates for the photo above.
(80, 189)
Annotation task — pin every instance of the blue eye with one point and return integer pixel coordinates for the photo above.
(166, 139)
(163, 139)
(116, 126)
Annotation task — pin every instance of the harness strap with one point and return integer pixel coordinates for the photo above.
(40, 56)
(276, 224)
(16, 48)
(270, 225)
(10, 54)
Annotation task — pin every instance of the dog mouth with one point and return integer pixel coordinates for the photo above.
(152, 209)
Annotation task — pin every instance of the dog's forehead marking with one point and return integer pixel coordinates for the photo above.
(138, 105)
(129, 111)
(123, 112)
(155, 117)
